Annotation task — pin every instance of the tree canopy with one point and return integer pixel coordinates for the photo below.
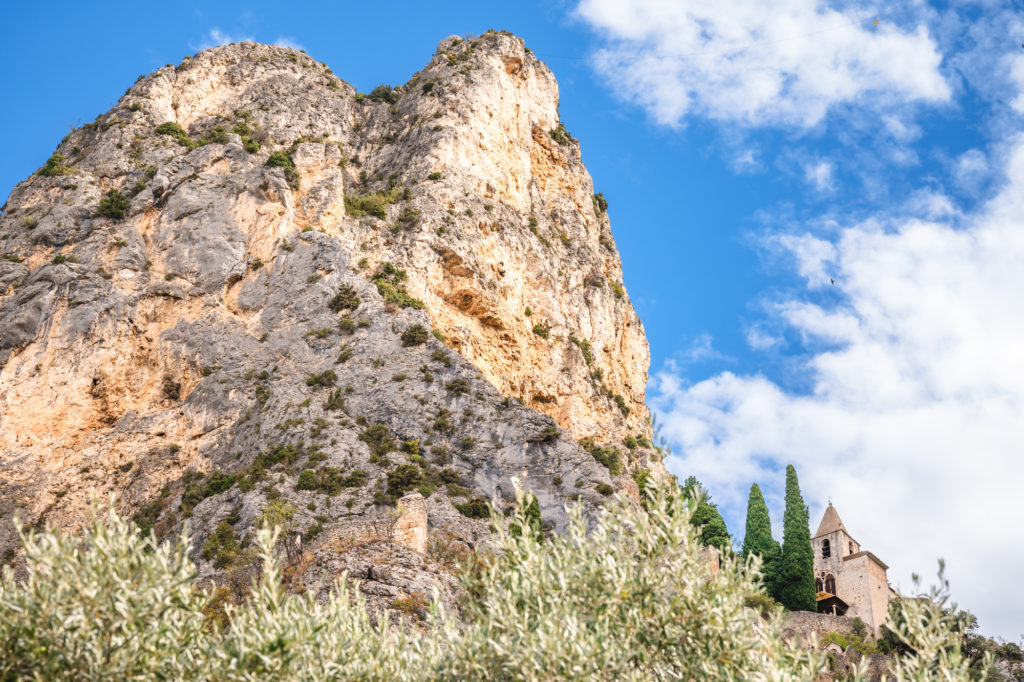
(796, 588)
(758, 540)
(712, 529)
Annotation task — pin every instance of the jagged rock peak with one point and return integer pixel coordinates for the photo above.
(231, 279)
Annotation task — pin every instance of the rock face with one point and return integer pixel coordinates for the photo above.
(216, 301)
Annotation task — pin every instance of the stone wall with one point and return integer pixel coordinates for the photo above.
(411, 526)
(802, 625)
(862, 584)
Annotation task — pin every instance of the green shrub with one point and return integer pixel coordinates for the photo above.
(384, 93)
(458, 385)
(600, 203)
(345, 299)
(59, 259)
(642, 478)
(561, 135)
(434, 176)
(609, 456)
(617, 289)
(762, 603)
(584, 346)
(347, 325)
(358, 205)
(408, 217)
(196, 489)
(307, 480)
(217, 135)
(389, 285)
(476, 508)
(605, 489)
(379, 438)
(549, 434)
(403, 478)
(416, 335)
(283, 160)
(620, 402)
(335, 400)
(542, 329)
(630, 585)
(859, 627)
(222, 546)
(177, 132)
(324, 378)
(327, 480)
(113, 205)
(355, 480)
(54, 166)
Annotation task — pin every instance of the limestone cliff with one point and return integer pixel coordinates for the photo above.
(217, 298)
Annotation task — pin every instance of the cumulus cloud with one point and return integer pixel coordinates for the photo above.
(913, 418)
(780, 63)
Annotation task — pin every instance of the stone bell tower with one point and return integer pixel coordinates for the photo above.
(850, 581)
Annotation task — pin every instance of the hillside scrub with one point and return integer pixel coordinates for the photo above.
(629, 600)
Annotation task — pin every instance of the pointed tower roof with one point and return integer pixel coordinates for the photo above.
(830, 522)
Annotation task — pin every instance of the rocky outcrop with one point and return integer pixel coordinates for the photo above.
(248, 292)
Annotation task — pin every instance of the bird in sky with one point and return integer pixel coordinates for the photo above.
(831, 280)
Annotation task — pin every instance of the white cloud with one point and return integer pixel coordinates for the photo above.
(779, 63)
(814, 256)
(900, 130)
(1015, 66)
(218, 37)
(745, 161)
(913, 421)
(932, 205)
(286, 41)
(971, 169)
(759, 339)
(819, 175)
(701, 349)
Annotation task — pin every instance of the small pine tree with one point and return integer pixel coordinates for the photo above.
(796, 574)
(713, 531)
(757, 539)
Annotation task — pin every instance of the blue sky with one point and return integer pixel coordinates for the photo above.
(750, 155)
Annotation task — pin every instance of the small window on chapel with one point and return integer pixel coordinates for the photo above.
(819, 585)
(851, 548)
(830, 584)
(826, 549)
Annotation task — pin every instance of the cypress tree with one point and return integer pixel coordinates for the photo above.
(758, 540)
(706, 516)
(796, 574)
